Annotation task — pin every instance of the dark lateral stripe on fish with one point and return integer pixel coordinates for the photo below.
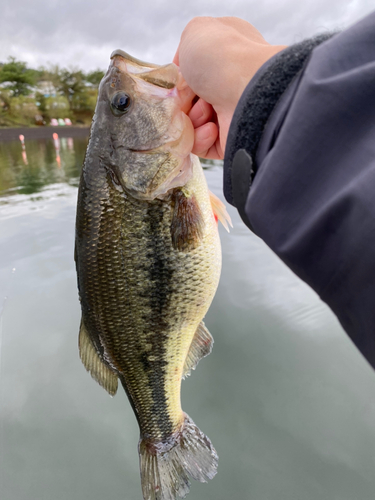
(159, 292)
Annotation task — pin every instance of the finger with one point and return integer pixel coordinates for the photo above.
(201, 113)
(214, 153)
(176, 58)
(205, 139)
(246, 29)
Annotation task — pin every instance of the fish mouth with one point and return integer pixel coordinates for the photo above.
(128, 57)
(146, 151)
(165, 147)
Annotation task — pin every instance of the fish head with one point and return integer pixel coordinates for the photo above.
(141, 116)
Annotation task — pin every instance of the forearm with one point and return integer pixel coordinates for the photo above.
(312, 175)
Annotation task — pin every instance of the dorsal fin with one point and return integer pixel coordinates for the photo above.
(94, 365)
(220, 211)
(201, 346)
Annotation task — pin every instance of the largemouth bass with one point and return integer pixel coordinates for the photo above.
(148, 262)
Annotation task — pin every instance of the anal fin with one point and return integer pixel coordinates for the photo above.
(201, 346)
(94, 365)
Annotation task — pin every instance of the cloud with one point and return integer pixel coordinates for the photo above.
(84, 34)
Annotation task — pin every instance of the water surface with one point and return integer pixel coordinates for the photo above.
(285, 397)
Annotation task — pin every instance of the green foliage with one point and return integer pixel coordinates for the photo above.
(19, 77)
(94, 77)
(51, 74)
(24, 106)
(5, 100)
(72, 86)
(76, 93)
(58, 107)
(41, 102)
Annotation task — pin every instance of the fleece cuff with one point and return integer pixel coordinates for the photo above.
(252, 113)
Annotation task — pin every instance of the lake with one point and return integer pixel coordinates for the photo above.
(285, 397)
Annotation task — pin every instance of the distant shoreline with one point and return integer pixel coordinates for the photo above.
(11, 134)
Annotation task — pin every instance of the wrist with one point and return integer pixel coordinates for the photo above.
(246, 64)
(255, 107)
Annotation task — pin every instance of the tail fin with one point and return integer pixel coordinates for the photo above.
(166, 466)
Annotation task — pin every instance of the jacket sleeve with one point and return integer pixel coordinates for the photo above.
(300, 168)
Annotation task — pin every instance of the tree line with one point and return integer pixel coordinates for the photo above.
(28, 95)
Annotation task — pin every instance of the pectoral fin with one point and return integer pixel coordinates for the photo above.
(200, 347)
(220, 211)
(94, 365)
(187, 222)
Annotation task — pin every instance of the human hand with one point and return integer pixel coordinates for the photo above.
(217, 58)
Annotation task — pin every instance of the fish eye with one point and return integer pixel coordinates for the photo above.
(120, 103)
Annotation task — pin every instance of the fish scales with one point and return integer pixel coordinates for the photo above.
(165, 293)
(148, 263)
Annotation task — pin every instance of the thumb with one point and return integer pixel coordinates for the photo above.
(176, 58)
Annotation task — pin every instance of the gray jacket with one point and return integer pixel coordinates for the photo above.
(300, 168)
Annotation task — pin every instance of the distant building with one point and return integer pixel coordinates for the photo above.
(46, 88)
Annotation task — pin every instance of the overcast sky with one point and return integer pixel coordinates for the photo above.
(83, 33)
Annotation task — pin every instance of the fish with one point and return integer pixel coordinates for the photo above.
(148, 261)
